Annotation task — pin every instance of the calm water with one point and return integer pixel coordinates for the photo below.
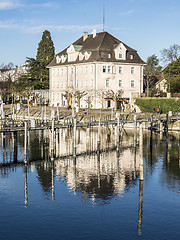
(91, 196)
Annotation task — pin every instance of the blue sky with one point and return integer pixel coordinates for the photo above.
(145, 25)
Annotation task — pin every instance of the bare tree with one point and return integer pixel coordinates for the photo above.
(78, 95)
(170, 54)
(115, 95)
(101, 96)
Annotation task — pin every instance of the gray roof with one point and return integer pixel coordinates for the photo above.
(99, 46)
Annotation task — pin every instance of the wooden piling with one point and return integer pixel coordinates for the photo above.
(99, 136)
(74, 138)
(25, 142)
(141, 151)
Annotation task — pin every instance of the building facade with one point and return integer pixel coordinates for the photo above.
(93, 71)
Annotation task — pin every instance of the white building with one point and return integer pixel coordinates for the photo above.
(93, 65)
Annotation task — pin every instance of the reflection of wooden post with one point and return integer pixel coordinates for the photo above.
(99, 170)
(25, 186)
(140, 212)
(52, 180)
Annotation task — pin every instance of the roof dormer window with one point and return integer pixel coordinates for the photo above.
(131, 56)
(120, 55)
(109, 55)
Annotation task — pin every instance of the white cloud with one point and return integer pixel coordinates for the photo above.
(38, 29)
(10, 4)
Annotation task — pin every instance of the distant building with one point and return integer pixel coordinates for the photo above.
(12, 74)
(92, 65)
(161, 85)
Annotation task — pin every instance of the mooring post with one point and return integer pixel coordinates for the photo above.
(58, 113)
(135, 130)
(15, 146)
(99, 136)
(141, 150)
(45, 113)
(25, 141)
(118, 133)
(87, 139)
(28, 112)
(74, 137)
(42, 114)
(52, 140)
(167, 121)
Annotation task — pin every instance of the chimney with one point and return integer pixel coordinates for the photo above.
(85, 36)
(94, 33)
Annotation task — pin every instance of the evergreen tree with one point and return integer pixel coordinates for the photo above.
(38, 74)
(45, 51)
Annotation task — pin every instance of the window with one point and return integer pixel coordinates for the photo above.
(71, 70)
(120, 83)
(104, 69)
(92, 82)
(107, 82)
(109, 55)
(92, 69)
(120, 55)
(113, 69)
(132, 70)
(109, 69)
(58, 84)
(131, 56)
(86, 69)
(86, 83)
(61, 71)
(120, 70)
(132, 83)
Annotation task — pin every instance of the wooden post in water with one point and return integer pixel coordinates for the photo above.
(118, 131)
(99, 136)
(141, 151)
(58, 113)
(28, 112)
(52, 140)
(15, 149)
(42, 114)
(167, 121)
(25, 141)
(88, 139)
(135, 130)
(74, 139)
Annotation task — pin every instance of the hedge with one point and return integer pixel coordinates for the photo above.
(164, 104)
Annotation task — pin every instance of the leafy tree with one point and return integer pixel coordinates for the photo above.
(151, 70)
(171, 54)
(172, 74)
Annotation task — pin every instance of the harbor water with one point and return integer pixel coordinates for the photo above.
(129, 189)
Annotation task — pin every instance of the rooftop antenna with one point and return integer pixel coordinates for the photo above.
(103, 17)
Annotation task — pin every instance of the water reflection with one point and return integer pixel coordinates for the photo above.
(95, 176)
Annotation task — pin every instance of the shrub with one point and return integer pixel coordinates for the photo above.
(165, 105)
